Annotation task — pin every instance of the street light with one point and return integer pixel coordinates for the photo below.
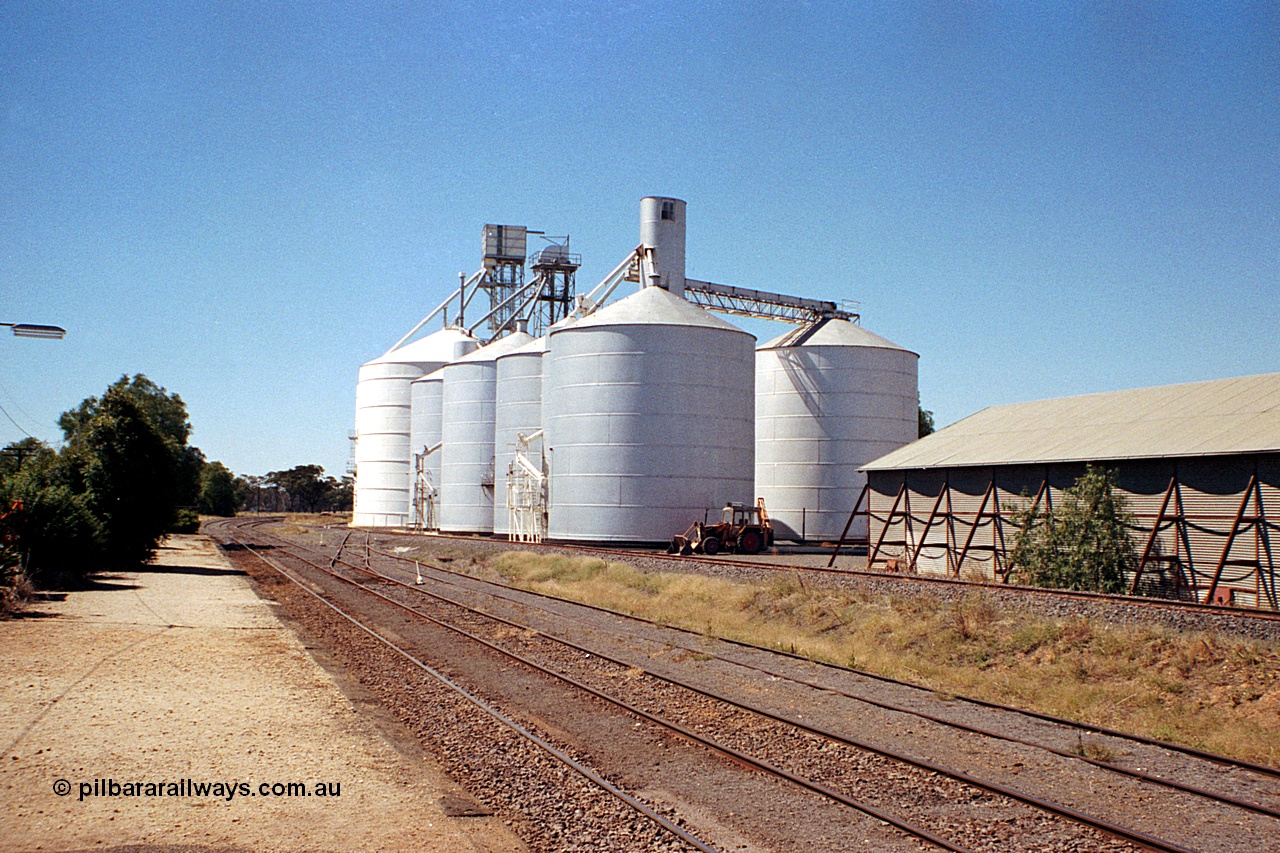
(36, 330)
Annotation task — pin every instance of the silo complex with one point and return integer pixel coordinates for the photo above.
(829, 398)
(518, 409)
(467, 477)
(383, 413)
(649, 419)
(653, 410)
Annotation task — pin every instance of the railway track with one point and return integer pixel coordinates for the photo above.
(794, 749)
(1170, 605)
(1072, 727)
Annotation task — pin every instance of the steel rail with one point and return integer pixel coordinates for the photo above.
(888, 706)
(1078, 594)
(1061, 810)
(559, 755)
(1223, 760)
(737, 755)
(1110, 732)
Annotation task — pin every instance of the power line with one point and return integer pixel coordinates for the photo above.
(15, 423)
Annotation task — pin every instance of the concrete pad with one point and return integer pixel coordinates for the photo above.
(179, 675)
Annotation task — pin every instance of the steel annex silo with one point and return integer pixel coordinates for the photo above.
(829, 398)
(468, 399)
(650, 419)
(426, 407)
(383, 414)
(517, 409)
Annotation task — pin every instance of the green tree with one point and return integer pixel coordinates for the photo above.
(130, 477)
(307, 487)
(218, 493)
(15, 456)
(166, 413)
(925, 418)
(1083, 543)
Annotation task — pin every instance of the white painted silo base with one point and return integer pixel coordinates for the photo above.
(518, 410)
(468, 481)
(383, 424)
(650, 419)
(841, 399)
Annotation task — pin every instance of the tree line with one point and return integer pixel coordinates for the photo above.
(126, 476)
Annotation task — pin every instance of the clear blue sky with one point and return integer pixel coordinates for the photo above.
(247, 201)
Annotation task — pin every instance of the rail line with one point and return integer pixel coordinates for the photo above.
(1128, 834)
(1168, 746)
(484, 706)
(683, 731)
(1078, 595)
(1074, 726)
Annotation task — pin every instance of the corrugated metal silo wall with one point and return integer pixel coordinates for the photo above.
(518, 409)
(935, 520)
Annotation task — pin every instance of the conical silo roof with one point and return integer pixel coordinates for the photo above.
(537, 346)
(832, 333)
(651, 306)
(501, 346)
(438, 347)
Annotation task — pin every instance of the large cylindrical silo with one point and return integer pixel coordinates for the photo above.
(383, 414)
(650, 417)
(426, 408)
(828, 400)
(467, 477)
(517, 409)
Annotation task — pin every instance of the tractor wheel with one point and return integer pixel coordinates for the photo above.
(711, 546)
(750, 542)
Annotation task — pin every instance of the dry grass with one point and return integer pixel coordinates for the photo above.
(1197, 689)
(15, 592)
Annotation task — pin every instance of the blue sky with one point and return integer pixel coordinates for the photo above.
(247, 201)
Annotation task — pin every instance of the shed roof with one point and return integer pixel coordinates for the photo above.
(1223, 416)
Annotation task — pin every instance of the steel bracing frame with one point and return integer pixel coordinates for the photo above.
(898, 536)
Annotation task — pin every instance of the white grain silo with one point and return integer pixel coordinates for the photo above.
(383, 414)
(829, 398)
(426, 406)
(648, 407)
(467, 476)
(517, 410)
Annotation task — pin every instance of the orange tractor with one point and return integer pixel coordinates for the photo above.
(742, 529)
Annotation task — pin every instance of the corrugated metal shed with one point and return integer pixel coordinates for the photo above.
(1224, 416)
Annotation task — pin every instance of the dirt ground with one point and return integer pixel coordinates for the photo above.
(179, 676)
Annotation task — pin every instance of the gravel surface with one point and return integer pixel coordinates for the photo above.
(967, 815)
(732, 806)
(1191, 820)
(828, 697)
(179, 671)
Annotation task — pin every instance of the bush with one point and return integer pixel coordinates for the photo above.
(186, 521)
(53, 535)
(1082, 544)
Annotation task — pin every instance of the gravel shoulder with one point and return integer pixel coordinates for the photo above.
(180, 672)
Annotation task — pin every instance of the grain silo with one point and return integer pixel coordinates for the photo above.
(467, 477)
(649, 408)
(383, 415)
(517, 411)
(426, 407)
(830, 397)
